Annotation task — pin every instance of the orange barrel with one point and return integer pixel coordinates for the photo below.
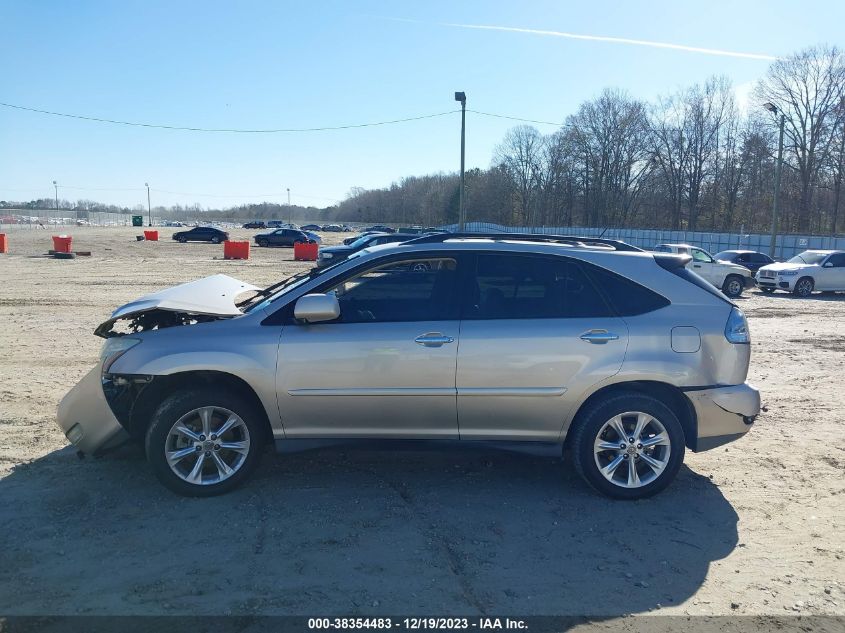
(151, 236)
(306, 252)
(62, 243)
(3, 245)
(235, 250)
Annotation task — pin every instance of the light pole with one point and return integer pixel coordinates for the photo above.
(462, 97)
(149, 207)
(56, 188)
(771, 107)
(289, 209)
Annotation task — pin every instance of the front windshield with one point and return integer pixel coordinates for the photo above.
(361, 241)
(808, 257)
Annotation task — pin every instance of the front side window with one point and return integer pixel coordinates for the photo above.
(417, 289)
(700, 256)
(838, 260)
(527, 287)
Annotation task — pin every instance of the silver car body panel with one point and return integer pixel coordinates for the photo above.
(85, 417)
(505, 380)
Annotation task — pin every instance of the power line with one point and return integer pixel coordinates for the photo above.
(225, 130)
(516, 118)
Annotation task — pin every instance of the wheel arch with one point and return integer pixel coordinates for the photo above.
(160, 387)
(670, 395)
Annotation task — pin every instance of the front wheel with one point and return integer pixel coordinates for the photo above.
(733, 286)
(205, 442)
(261, 243)
(629, 446)
(182, 240)
(803, 287)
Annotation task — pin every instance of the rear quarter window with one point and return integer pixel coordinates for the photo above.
(627, 297)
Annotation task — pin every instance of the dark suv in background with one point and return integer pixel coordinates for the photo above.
(752, 260)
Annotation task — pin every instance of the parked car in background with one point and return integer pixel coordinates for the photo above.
(332, 228)
(731, 279)
(255, 224)
(752, 260)
(334, 254)
(804, 273)
(380, 228)
(285, 237)
(201, 234)
(175, 224)
(279, 224)
(311, 227)
(348, 240)
(624, 356)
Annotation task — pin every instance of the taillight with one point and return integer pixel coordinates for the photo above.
(736, 329)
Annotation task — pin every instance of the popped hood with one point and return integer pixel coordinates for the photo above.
(212, 296)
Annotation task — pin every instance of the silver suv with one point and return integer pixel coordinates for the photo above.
(623, 357)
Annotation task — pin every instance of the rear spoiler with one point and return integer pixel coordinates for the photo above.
(671, 261)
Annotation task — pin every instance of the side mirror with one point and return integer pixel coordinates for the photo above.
(828, 265)
(315, 308)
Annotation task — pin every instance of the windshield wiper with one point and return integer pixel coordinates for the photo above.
(274, 287)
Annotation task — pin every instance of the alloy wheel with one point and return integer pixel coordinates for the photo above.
(207, 445)
(632, 449)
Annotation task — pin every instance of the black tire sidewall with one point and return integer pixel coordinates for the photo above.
(591, 421)
(177, 405)
(727, 283)
(798, 283)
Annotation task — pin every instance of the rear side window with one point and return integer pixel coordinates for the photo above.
(527, 287)
(627, 297)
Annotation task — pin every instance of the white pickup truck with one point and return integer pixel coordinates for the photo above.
(731, 279)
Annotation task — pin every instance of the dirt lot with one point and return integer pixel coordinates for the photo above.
(754, 528)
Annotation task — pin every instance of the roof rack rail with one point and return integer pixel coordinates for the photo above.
(573, 240)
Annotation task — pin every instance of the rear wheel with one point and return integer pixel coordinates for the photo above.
(733, 286)
(629, 446)
(215, 240)
(803, 287)
(203, 443)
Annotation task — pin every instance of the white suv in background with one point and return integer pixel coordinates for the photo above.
(807, 271)
(731, 279)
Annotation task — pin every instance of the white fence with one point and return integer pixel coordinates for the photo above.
(787, 245)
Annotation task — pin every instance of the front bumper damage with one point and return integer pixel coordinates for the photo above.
(86, 418)
(724, 414)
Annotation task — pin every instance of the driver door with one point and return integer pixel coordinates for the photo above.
(831, 276)
(704, 265)
(386, 367)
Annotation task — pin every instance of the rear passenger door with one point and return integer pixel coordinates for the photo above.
(535, 333)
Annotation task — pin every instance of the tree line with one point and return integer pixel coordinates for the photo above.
(689, 160)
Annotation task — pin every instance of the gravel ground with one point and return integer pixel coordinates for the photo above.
(752, 528)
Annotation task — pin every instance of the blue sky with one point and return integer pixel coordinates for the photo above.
(311, 64)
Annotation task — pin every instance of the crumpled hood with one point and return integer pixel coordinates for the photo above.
(213, 295)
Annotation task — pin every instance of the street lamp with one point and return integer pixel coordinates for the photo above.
(149, 207)
(462, 97)
(771, 107)
(56, 187)
(290, 213)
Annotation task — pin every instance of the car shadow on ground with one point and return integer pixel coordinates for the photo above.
(352, 531)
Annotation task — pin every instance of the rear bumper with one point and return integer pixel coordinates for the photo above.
(724, 414)
(85, 418)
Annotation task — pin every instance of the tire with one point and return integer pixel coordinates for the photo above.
(215, 240)
(261, 242)
(803, 287)
(244, 437)
(768, 291)
(596, 423)
(182, 240)
(733, 286)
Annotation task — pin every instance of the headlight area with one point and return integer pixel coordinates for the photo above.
(114, 348)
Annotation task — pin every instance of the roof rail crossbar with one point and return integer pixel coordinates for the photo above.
(574, 240)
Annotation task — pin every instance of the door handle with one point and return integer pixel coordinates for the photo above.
(696, 265)
(599, 337)
(433, 339)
